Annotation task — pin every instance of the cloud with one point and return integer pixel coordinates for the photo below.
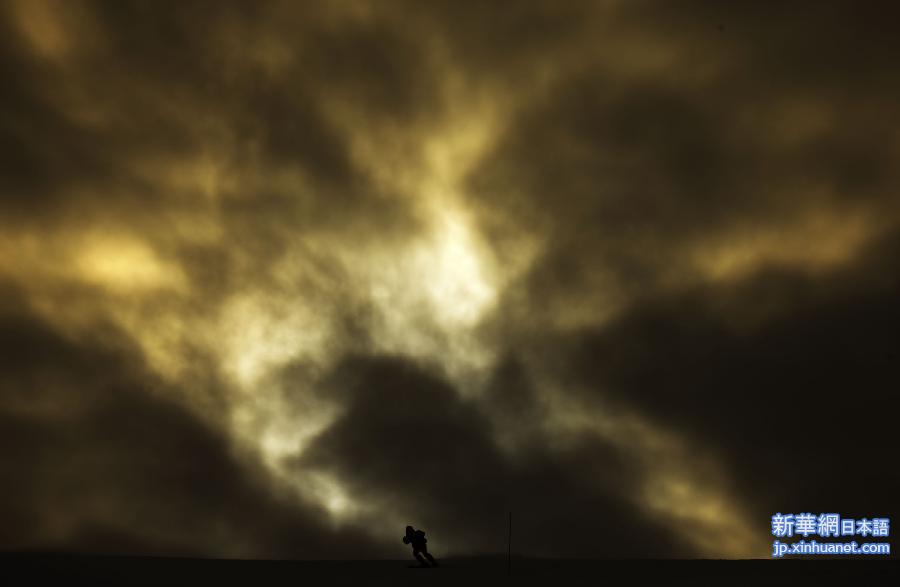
(98, 459)
(784, 376)
(604, 261)
(407, 444)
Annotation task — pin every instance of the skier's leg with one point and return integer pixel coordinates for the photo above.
(420, 558)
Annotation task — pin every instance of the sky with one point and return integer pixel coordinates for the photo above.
(279, 278)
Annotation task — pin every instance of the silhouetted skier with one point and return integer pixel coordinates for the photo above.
(420, 551)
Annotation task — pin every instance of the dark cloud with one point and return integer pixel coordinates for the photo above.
(793, 398)
(408, 444)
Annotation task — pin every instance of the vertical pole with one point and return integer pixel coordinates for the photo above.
(509, 547)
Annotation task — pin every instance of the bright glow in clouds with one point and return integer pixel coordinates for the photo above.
(125, 265)
(452, 274)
